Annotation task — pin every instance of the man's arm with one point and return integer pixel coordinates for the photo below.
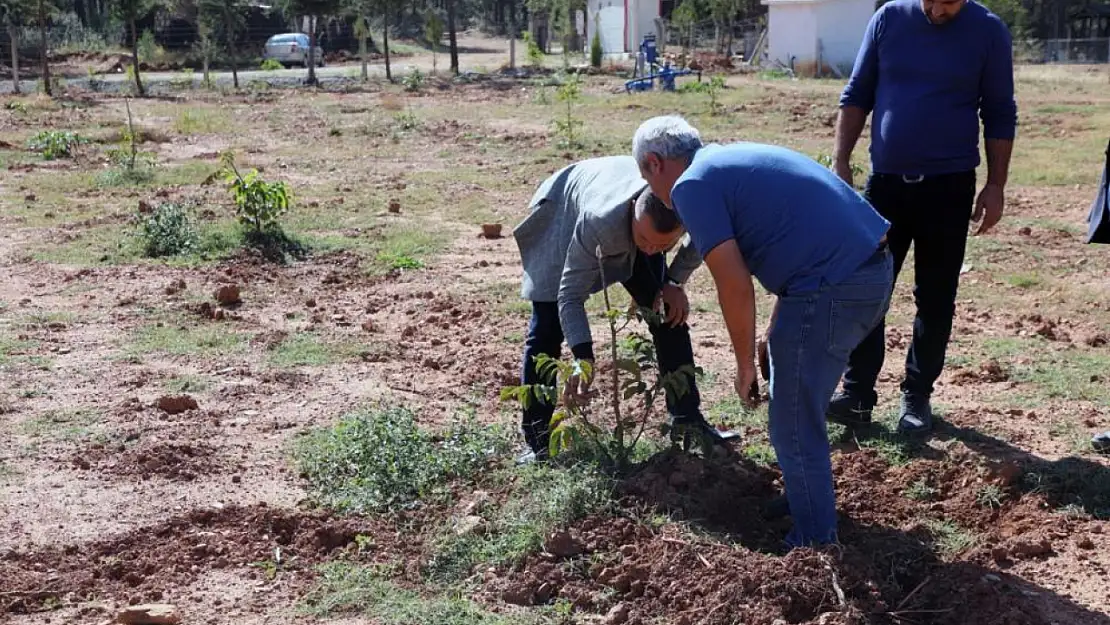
(997, 107)
(580, 273)
(686, 260)
(858, 98)
(998, 110)
(736, 295)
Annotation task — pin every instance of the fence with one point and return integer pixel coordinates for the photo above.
(1064, 51)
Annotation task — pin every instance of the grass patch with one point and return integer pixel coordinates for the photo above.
(187, 384)
(200, 121)
(65, 425)
(1072, 483)
(378, 459)
(920, 491)
(949, 539)
(1023, 280)
(11, 346)
(542, 498)
(199, 339)
(761, 453)
(347, 588)
(307, 349)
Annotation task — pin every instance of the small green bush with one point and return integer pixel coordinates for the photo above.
(378, 459)
(270, 65)
(259, 204)
(55, 144)
(414, 80)
(595, 49)
(169, 230)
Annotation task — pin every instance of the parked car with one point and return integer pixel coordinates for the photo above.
(291, 49)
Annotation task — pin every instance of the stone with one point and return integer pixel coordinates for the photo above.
(470, 524)
(149, 614)
(394, 206)
(227, 294)
(176, 404)
(617, 615)
(1085, 543)
(562, 545)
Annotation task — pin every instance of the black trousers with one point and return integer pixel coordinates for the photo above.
(673, 348)
(933, 214)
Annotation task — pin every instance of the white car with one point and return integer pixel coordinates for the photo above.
(291, 49)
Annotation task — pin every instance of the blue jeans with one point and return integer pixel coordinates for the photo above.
(545, 336)
(809, 346)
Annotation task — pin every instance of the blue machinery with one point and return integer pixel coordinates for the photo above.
(647, 70)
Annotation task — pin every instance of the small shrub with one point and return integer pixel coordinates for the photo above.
(149, 50)
(406, 120)
(168, 231)
(270, 65)
(534, 53)
(375, 460)
(55, 144)
(414, 80)
(566, 126)
(635, 385)
(259, 204)
(595, 48)
(129, 165)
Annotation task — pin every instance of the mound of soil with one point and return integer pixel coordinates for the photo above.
(173, 461)
(153, 563)
(726, 496)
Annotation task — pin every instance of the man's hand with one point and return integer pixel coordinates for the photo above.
(988, 207)
(576, 392)
(844, 170)
(763, 359)
(676, 304)
(746, 386)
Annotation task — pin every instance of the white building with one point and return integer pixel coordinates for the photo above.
(816, 37)
(623, 23)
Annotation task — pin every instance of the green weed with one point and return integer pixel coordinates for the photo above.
(378, 459)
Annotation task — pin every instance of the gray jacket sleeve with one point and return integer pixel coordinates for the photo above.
(686, 260)
(580, 273)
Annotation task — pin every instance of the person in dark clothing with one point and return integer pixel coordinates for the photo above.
(927, 71)
(1098, 221)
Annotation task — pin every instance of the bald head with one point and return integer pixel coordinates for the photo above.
(655, 227)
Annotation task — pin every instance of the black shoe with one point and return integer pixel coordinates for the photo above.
(1101, 443)
(679, 426)
(917, 414)
(849, 410)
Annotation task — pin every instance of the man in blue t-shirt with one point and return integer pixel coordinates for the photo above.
(927, 71)
(770, 213)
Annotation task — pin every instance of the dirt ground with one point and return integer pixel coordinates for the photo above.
(115, 490)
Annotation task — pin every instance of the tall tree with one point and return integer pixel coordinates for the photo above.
(388, 10)
(228, 16)
(453, 39)
(14, 14)
(433, 32)
(313, 10)
(130, 12)
(43, 9)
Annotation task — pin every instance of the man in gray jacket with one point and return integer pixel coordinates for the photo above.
(602, 204)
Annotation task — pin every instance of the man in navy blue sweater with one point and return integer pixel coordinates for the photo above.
(927, 72)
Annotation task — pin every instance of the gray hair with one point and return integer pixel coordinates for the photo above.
(669, 136)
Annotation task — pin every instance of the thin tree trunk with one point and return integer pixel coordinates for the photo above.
(47, 88)
(13, 35)
(231, 50)
(135, 59)
(454, 41)
(363, 33)
(312, 51)
(385, 48)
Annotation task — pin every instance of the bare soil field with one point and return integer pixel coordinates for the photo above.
(325, 442)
